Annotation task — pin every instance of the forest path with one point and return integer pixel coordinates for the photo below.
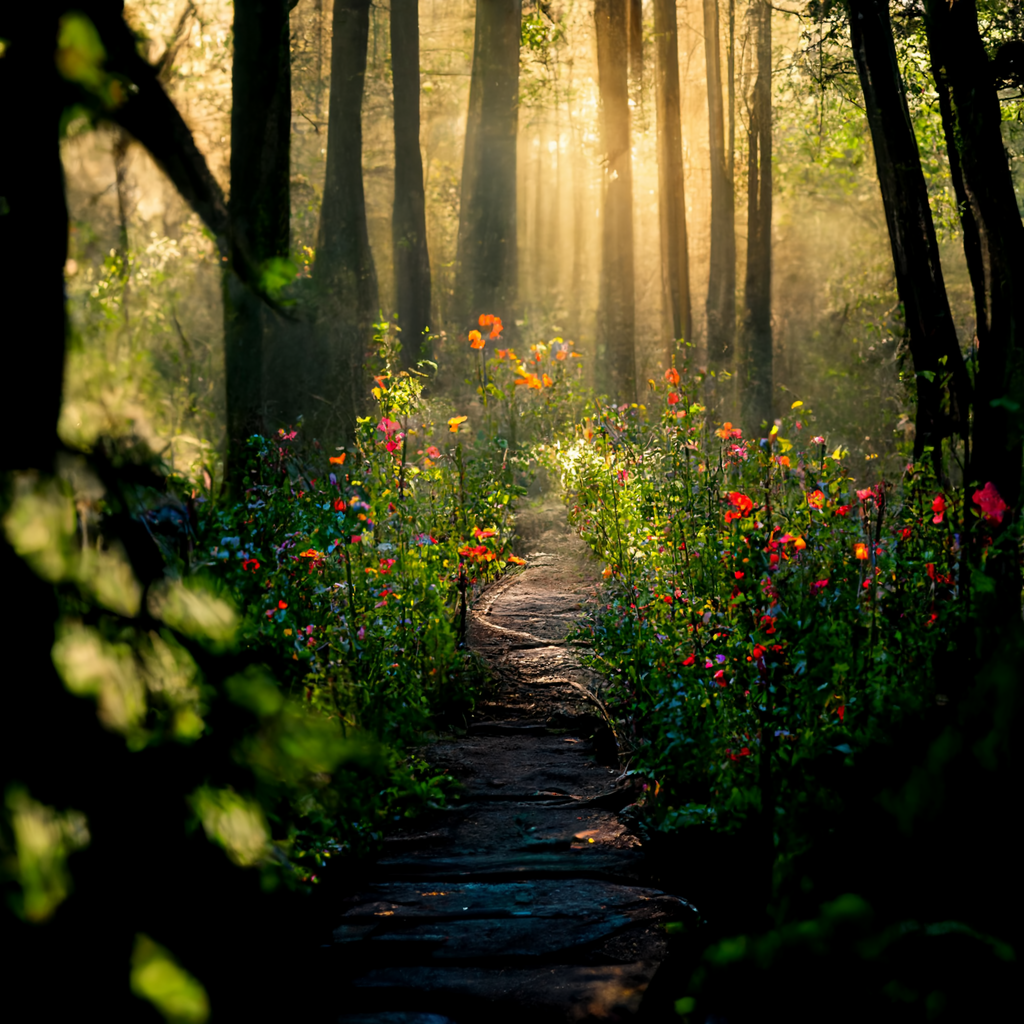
(525, 901)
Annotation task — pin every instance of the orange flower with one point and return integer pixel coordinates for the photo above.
(560, 355)
(816, 499)
(515, 560)
(486, 319)
(338, 460)
(311, 553)
(799, 543)
(475, 341)
(727, 431)
(547, 381)
(453, 423)
(672, 375)
(783, 460)
(496, 327)
(501, 353)
(483, 534)
(607, 572)
(860, 551)
(742, 502)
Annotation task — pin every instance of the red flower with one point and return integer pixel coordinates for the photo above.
(816, 499)
(841, 711)
(993, 508)
(250, 561)
(672, 398)
(719, 677)
(339, 505)
(282, 605)
(841, 510)
(739, 575)
(690, 660)
(672, 375)
(939, 508)
(742, 502)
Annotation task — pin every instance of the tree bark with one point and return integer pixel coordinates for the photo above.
(635, 30)
(616, 316)
(345, 274)
(941, 406)
(756, 370)
(409, 221)
(259, 206)
(721, 300)
(487, 249)
(973, 128)
(675, 265)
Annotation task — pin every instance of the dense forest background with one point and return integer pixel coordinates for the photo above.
(144, 283)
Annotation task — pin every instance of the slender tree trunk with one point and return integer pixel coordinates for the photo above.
(973, 127)
(932, 334)
(346, 279)
(675, 265)
(721, 301)
(730, 74)
(487, 253)
(409, 222)
(635, 30)
(261, 111)
(616, 316)
(756, 369)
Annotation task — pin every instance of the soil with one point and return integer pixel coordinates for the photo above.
(526, 900)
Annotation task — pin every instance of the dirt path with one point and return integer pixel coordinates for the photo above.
(525, 902)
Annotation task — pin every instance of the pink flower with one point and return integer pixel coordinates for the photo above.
(868, 494)
(818, 440)
(434, 452)
(939, 508)
(993, 508)
(388, 427)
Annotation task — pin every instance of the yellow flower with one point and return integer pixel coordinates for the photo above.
(860, 551)
(453, 423)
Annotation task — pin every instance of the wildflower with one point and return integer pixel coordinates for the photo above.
(799, 543)
(560, 355)
(453, 423)
(380, 383)
(672, 375)
(868, 494)
(281, 605)
(992, 506)
(905, 532)
(841, 510)
(475, 340)
(727, 431)
(515, 560)
(338, 460)
(483, 534)
(673, 398)
(783, 460)
(250, 561)
(476, 554)
(818, 440)
(841, 711)
(816, 499)
(547, 381)
(667, 598)
(492, 321)
(719, 677)
(690, 660)
(819, 586)
(388, 427)
(739, 575)
(743, 504)
(939, 508)
(860, 551)
(433, 452)
(361, 634)
(311, 553)
(385, 565)
(607, 572)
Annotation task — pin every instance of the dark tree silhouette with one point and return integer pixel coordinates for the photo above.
(943, 388)
(756, 353)
(259, 205)
(616, 314)
(487, 248)
(675, 263)
(409, 221)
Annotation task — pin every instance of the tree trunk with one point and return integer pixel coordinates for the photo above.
(487, 251)
(33, 219)
(721, 301)
(616, 316)
(261, 111)
(756, 370)
(409, 222)
(973, 127)
(635, 30)
(346, 279)
(930, 328)
(675, 265)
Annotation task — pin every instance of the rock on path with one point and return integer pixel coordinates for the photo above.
(525, 902)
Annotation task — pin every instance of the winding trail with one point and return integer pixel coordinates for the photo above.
(526, 901)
